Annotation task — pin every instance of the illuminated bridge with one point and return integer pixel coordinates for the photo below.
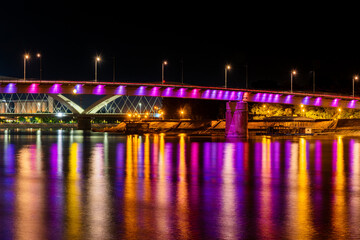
(48, 92)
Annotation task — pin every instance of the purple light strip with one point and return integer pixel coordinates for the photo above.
(306, 100)
(33, 88)
(120, 90)
(352, 104)
(195, 93)
(318, 101)
(10, 88)
(289, 99)
(99, 90)
(168, 92)
(141, 91)
(56, 88)
(335, 102)
(181, 92)
(79, 88)
(155, 92)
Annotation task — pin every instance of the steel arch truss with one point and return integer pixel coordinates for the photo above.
(30, 103)
(129, 104)
(27, 103)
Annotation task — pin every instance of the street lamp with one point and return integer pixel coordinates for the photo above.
(26, 57)
(293, 72)
(227, 67)
(97, 59)
(140, 107)
(38, 55)
(356, 77)
(182, 113)
(164, 63)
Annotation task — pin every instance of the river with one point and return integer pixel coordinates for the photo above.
(66, 184)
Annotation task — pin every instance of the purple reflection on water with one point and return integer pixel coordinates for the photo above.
(9, 157)
(318, 155)
(54, 159)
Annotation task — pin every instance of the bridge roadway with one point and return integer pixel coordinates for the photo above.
(113, 90)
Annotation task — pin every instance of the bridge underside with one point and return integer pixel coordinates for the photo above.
(112, 90)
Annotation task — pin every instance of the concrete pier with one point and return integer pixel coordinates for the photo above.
(84, 123)
(236, 119)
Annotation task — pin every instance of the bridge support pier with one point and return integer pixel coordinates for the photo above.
(84, 123)
(236, 119)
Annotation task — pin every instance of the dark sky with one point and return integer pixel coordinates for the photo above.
(271, 39)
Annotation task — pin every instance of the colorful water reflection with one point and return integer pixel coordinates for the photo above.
(73, 186)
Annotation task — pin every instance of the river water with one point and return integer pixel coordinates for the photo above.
(70, 185)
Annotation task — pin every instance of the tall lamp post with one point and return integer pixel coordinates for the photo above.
(26, 57)
(355, 78)
(227, 67)
(97, 59)
(164, 63)
(293, 72)
(38, 55)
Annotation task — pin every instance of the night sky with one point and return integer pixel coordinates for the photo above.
(203, 37)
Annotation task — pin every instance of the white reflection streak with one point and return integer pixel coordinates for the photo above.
(59, 153)
(228, 218)
(29, 199)
(98, 195)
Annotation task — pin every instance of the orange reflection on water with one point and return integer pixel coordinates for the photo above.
(182, 194)
(29, 194)
(228, 215)
(299, 204)
(339, 205)
(97, 214)
(130, 223)
(162, 191)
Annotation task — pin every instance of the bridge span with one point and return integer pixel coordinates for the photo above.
(176, 91)
(236, 107)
